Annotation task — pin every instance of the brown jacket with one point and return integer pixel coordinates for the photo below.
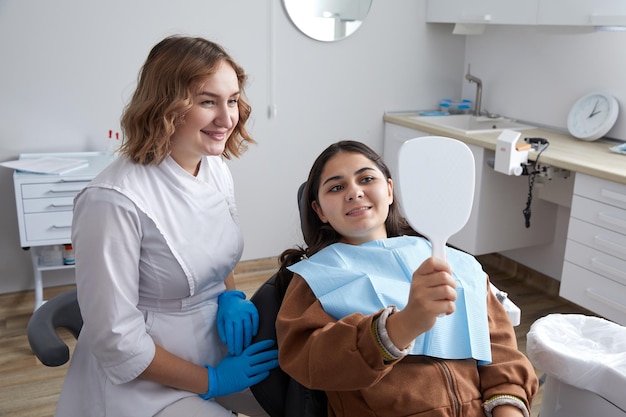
(342, 358)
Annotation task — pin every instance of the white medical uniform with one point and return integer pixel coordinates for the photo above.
(153, 246)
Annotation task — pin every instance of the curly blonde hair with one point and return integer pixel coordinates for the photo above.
(173, 71)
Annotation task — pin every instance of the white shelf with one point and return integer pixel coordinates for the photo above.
(54, 267)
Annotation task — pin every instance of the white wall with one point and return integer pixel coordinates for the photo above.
(68, 67)
(536, 74)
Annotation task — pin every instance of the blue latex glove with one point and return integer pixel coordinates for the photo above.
(235, 373)
(237, 321)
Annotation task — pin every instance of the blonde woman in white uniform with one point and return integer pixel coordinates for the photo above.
(156, 240)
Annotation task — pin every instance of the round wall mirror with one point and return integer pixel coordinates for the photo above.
(327, 20)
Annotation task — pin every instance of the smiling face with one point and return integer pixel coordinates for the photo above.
(208, 124)
(354, 198)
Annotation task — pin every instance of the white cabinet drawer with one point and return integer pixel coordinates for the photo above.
(598, 238)
(48, 226)
(608, 192)
(600, 214)
(53, 189)
(594, 292)
(37, 205)
(597, 262)
(594, 269)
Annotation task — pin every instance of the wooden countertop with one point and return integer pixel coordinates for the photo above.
(565, 152)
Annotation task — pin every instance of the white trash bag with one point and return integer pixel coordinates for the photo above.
(584, 351)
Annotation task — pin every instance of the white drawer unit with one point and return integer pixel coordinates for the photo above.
(45, 210)
(44, 207)
(594, 271)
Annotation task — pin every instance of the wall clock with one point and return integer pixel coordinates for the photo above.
(592, 116)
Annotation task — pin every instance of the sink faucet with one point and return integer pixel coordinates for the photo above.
(479, 89)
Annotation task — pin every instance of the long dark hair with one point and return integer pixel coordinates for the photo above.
(317, 234)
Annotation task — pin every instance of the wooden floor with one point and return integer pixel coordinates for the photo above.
(30, 389)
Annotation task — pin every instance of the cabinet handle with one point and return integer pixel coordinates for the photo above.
(607, 244)
(485, 18)
(612, 195)
(605, 300)
(65, 191)
(68, 181)
(607, 218)
(54, 226)
(620, 275)
(61, 205)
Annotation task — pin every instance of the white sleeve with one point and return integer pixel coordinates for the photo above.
(106, 235)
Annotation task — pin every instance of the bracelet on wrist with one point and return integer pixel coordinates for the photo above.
(504, 399)
(389, 351)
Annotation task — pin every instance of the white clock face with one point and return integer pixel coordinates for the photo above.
(592, 116)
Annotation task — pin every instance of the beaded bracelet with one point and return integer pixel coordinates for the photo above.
(379, 330)
(503, 399)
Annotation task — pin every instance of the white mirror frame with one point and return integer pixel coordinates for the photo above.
(327, 20)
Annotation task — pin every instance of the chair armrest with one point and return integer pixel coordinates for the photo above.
(60, 311)
(513, 311)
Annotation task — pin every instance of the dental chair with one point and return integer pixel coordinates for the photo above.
(279, 394)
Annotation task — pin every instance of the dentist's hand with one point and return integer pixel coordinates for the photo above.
(235, 373)
(237, 321)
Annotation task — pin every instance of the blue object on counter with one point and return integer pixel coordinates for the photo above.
(434, 113)
(463, 108)
(619, 149)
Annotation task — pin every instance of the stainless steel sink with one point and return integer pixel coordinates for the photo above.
(469, 124)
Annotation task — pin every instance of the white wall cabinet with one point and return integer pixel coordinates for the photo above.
(496, 223)
(511, 12)
(528, 12)
(594, 270)
(582, 12)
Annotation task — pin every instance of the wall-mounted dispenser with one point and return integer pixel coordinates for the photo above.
(510, 157)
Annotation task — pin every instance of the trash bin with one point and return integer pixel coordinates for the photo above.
(584, 359)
